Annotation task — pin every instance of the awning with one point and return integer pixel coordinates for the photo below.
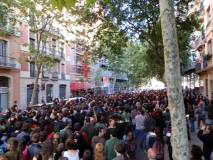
(80, 86)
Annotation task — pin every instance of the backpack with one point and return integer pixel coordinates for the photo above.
(159, 150)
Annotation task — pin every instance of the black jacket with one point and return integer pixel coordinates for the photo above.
(207, 140)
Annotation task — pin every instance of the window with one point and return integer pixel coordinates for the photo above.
(3, 48)
(44, 46)
(79, 59)
(61, 49)
(53, 46)
(210, 47)
(208, 14)
(32, 43)
(62, 68)
(32, 69)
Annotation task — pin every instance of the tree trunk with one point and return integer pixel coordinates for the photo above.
(179, 137)
(32, 101)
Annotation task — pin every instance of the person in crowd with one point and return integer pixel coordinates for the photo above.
(131, 146)
(196, 153)
(37, 156)
(23, 148)
(99, 152)
(35, 147)
(99, 138)
(24, 132)
(150, 138)
(206, 136)
(110, 144)
(87, 155)
(92, 127)
(72, 152)
(140, 128)
(157, 150)
(120, 152)
(201, 113)
(191, 117)
(12, 153)
(2, 157)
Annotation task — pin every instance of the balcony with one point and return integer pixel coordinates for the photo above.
(9, 29)
(198, 67)
(54, 76)
(45, 76)
(122, 76)
(205, 62)
(200, 43)
(189, 67)
(55, 31)
(63, 77)
(53, 53)
(8, 62)
(201, 12)
(78, 69)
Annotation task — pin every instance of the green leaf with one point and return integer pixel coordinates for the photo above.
(90, 2)
(70, 3)
(54, 3)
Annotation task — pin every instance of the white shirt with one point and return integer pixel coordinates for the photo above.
(71, 157)
(139, 121)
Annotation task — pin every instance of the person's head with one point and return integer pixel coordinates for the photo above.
(70, 144)
(101, 132)
(25, 127)
(99, 148)
(18, 125)
(87, 155)
(43, 136)
(196, 152)
(130, 136)
(119, 148)
(12, 144)
(113, 133)
(111, 122)
(35, 138)
(37, 157)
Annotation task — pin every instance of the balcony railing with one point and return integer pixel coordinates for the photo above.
(55, 76)
(9, 30)
(198, 67)
(55, 31)
(78, 69)
(122, 76)
(45, 76)
(189, 67)
(7, 62)
(199, 42)
(205, 62)
(55, 54)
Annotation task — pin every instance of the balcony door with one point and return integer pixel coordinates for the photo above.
(62, 91)
(4, 93)
(30, 92)
(49, 92)
(3, 48)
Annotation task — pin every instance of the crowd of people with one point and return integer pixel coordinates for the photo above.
(104, 127)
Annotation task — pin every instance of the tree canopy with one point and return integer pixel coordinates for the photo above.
(139, 21)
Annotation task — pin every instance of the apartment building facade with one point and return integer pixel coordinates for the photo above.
(204, 47)
(54, 82)
(71, 73)
(10, 42)
(82, 70)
